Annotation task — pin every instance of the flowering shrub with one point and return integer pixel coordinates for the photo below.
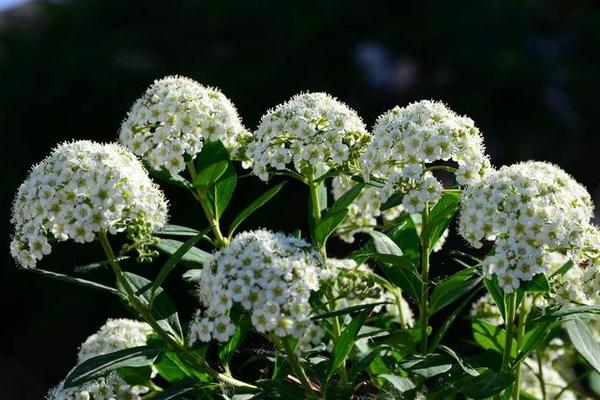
(276, 316)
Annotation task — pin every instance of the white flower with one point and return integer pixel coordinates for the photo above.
(312, 131)
(406, 141)
(486, 309)
(530, 210)
(268, 274)
(114, 335)
(111, 387)
(81, 188)
(174, 118)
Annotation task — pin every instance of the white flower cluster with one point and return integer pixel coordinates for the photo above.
(111, 387)
(314, 131)
(174, 118)
(353, 285)
(554, 383)
(486, 309)
(114, 335)
(364, 210)
(80, 189)
(530, 210)
(407, 141)
(268, 274)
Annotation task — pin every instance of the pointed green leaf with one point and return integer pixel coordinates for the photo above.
(102, 365)
(76, 281)
(193, 258)
(255, 205)
(346, 199)
(209, 175)
(453, 288)
(584, 341)
(177, 230)
(328, 224)
(486, 385)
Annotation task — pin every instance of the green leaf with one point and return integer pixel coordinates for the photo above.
(400, 383)
(497, 294)
(347, 310)
(169, 370)
(82, 269)
(212, 152)
(449, 320)
(173, 260)
(192, 275)
(362, 362)
(461, 363)
(383, 244)
(394, 200)
(242, 326)
(163, 309)
(440, 216)
(346, 199)
(490, 336)
(405, 235)
(136, 375)
(76, 281)
(346, 341)
(209, 175)
(181, 391)
(539, 284)
(255, 205)
(177, 230)
(328, 224)
(176, 180)
(532, 339)
(427, 366)
(486, 385)
(219, 195)
(193, 258)
(401, 272)
(452, 288)
(564, 312)
(584, 341)
(102, 365)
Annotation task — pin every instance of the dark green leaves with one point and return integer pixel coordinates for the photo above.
(440, 216)
(163, 309)
(216, 177)
(539, 284)
(192, 258)
(565, 312)
(255, 205)
(401, 272)
(76, 281)
(486, 385)
(346, 341)
(490, 336)
(583, 340)
(242, 326)
(452, 288)
(427, 366)
(102, 365)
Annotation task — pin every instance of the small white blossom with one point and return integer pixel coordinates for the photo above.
(486, 309)
(312, 131)
(268, 274)
(406, 141)
(529, 210)
(174, 118)
(114, 335)
(81, 188)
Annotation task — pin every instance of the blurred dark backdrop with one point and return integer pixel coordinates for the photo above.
(525, 71)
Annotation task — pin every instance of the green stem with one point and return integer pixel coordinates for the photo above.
(510, 308)
(424, 306)
(296, 366)
(523, 311)
(213, 221)
(316, 210)
(146, 314)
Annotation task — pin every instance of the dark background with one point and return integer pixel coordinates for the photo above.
(525, 71)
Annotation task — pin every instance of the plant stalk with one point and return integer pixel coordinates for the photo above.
(424, 306)
(146, 314)
(510, 308)
(522, 318)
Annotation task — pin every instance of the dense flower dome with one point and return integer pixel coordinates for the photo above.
(111, 387)
(407, 141)
(174, 118)
(269, 275)
(114, 335)
(530, 210)
(311, 131)
(80, 189)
